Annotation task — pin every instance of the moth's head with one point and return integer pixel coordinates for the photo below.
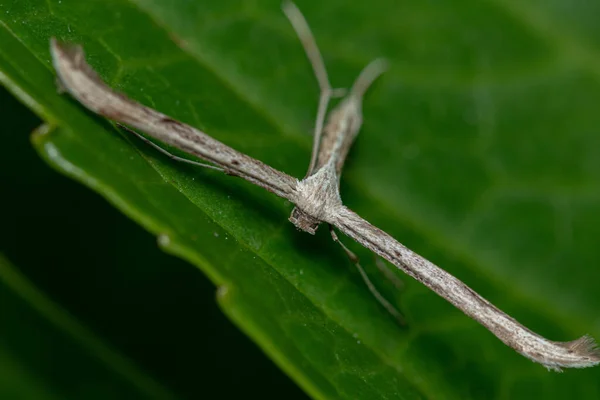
(303, 221)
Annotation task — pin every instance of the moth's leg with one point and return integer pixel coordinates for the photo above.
(316, 60)
(354, 259)
(393, 279)
(171, 156)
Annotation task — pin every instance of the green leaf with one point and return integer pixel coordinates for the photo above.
(480, 150)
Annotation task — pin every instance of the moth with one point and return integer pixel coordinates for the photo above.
(316, 197)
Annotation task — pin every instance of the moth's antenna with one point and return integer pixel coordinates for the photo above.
(316, 60)
(367, 76)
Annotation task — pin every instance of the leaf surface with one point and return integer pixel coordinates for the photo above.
(480, 150)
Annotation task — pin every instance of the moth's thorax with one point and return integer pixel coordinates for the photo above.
(317, 199)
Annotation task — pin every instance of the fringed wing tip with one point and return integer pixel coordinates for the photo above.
(62, 51)
(587, 348)
(68, 60)
(64, 57)
(58, 47)
(585, 352)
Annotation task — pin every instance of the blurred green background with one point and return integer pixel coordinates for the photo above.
(109, 274)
